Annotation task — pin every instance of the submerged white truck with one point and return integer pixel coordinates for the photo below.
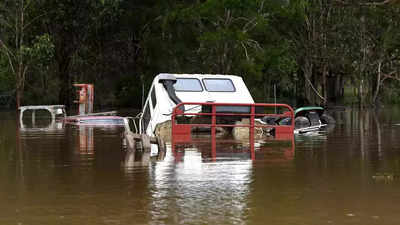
(222, 101)
(169, 90)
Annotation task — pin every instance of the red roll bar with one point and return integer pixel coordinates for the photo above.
(181, 131)
(218, 110)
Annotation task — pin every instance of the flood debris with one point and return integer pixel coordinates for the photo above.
(143, 142)
(54, 110)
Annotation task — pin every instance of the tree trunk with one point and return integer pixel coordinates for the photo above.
(338, 92)
(18, 97)
(308, 68)
(363, 61)
(378, 83)
(324, 84)
(19, 87)
(361, 94)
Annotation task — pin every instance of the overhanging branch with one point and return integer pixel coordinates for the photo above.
(9, 54)
(315, 90)
(385, 2)
(380, 3)
(392, 75)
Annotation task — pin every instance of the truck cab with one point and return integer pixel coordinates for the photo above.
(168, 90)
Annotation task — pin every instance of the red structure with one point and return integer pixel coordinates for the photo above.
(86, 98)
(256, 111)
(181, 128)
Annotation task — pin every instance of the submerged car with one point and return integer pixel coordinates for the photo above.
(307, 119)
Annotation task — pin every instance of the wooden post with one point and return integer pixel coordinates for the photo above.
(161, 145)
(33, 117)
(251, 135)
(146, 142)
(131, 142)
(213, 134)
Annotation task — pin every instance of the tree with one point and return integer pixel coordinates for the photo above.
(76, 28)
(385, 50)
(313, 28)
(227, 37)
(19, 53)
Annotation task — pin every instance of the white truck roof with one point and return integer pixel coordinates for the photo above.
(214, 88)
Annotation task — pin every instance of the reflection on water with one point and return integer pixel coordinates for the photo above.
(227, 148)
(84, 175)
(191, 191)
(86, 141)
(136, 159)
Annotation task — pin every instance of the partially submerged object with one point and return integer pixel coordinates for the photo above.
(169, 90)
(96, 120)
(86, 116)
(311, 118)
(180, 104)
(307, 119)
(54, 110)
(57, 115)
(85, 111)
(87, 119)
(85, 98)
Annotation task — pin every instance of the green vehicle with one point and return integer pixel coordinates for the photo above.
(306, 119)
(311, 118)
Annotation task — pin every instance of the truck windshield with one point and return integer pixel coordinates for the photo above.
(188, 84)
(219, 85)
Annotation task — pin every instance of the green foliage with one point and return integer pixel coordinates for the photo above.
(120, 45)
(7, 80)
(40, 52)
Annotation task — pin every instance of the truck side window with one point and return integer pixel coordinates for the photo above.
(219, 85)
(153, 97)
(146, 117)
(188, 84)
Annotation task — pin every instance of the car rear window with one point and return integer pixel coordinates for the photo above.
(219, 85)
(188, 84)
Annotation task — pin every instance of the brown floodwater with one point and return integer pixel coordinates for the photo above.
(64, 174)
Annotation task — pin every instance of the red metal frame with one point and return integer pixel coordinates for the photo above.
(85, 98)
(182, 132)
(185, 129)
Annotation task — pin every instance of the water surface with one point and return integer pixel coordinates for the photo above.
(64, 174)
